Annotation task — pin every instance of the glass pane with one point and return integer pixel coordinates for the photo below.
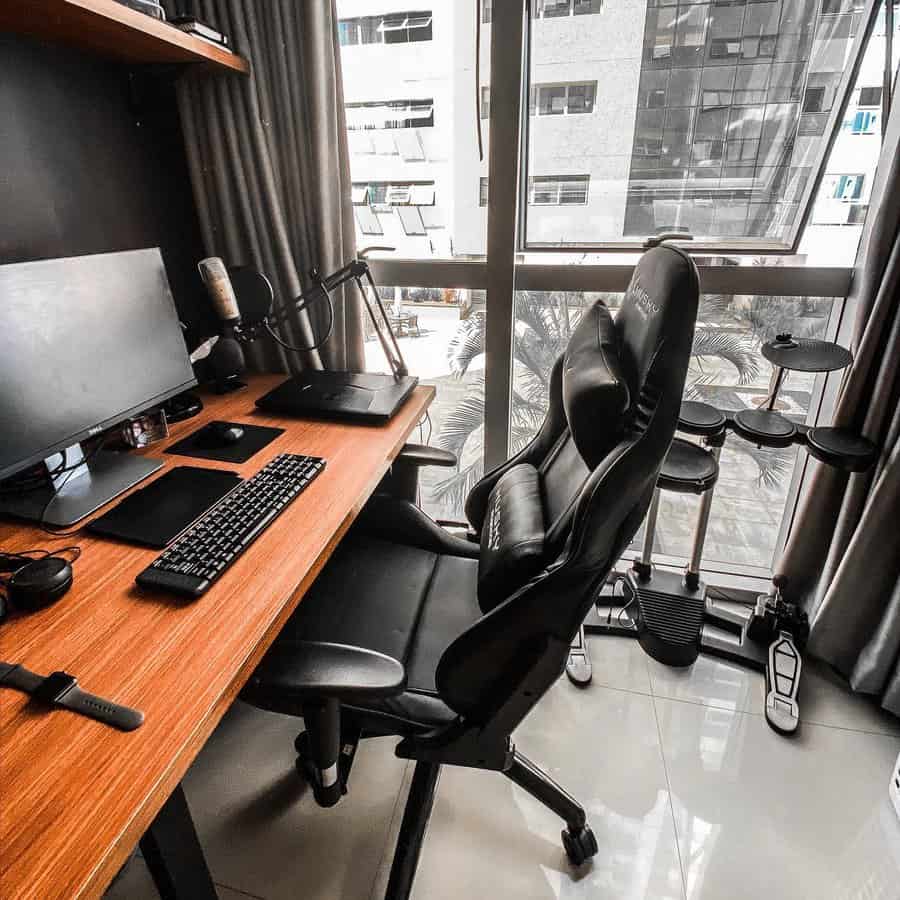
(837, 218)
(441, 336)
(748, 78)
(728, 371)
(412, 113)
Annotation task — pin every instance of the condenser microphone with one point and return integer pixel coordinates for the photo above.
(221, 291)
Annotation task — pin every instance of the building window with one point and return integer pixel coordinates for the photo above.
(845, 187)
(870, 96)
(487, 8)
(368, 221)
(390, 114)
(393, 193)
(857, 214)
(562, 99)
(814, 100)
(409, 146)
(556, 9)
(485, 103)
(836, 7)
(864, 122)
(411, 220)
(388, 28)
(483, 192)
(558, 190)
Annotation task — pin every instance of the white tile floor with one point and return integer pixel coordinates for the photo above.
(688, 791)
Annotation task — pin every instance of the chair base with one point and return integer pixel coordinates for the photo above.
(578, 840)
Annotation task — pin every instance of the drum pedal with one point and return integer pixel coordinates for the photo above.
(669, 617)
(782, 683)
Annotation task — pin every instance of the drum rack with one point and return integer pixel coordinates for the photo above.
(674, 619)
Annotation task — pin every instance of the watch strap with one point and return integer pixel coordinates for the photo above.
(70, 696)
(122, 717)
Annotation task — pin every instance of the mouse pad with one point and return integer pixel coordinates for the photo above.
(155, 515)
(202, 445)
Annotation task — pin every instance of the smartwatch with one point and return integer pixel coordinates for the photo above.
(60, 690)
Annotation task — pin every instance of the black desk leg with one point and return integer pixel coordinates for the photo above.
(173, 853)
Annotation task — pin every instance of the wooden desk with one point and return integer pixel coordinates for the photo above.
(76, 795)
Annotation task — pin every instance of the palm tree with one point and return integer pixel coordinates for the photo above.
(543, 324)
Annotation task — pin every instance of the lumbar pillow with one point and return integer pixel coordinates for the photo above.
(512, 538)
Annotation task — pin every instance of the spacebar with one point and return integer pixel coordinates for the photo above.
(263, 522)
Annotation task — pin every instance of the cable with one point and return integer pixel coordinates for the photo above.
(27, 556)
(38, 479)
(47, 529)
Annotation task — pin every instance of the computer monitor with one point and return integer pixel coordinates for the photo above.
(85, 343)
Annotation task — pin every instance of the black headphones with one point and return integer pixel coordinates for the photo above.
(35, 579)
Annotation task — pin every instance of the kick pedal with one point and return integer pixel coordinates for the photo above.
(782, 683)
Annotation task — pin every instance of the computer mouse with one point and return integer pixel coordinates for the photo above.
(222, 434)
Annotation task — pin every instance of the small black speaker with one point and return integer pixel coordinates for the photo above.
(225, 365)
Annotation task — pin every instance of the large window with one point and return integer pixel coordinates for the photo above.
(722, 119)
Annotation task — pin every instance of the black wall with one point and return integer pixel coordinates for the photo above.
(92, 160)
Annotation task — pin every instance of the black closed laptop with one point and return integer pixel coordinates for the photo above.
(339, 395)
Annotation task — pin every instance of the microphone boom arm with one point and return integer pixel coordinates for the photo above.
(357, 270)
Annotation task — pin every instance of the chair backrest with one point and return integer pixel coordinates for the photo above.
(614, 400)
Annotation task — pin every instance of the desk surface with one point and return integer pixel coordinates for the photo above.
(75, 795)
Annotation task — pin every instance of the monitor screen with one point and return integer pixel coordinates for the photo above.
(85, 342)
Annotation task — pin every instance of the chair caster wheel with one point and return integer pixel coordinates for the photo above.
(301, 744)
(579, 845)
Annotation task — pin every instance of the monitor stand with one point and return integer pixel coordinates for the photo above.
(82, 490)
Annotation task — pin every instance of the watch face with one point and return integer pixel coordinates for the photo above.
(54, 686)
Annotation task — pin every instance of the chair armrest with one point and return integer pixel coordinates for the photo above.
(421, 455)
(311, 670)
(402, 480)
(393, 519)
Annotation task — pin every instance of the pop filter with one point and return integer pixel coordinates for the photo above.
(254, 295)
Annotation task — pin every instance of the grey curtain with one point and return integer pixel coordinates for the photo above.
(843, 555)
(270, 166)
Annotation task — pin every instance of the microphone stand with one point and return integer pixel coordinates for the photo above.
(357, 270)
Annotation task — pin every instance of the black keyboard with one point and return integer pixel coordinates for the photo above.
(203, 552)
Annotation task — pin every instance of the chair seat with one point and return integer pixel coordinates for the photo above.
(398, 600)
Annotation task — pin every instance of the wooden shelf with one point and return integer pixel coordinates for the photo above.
(112, 29)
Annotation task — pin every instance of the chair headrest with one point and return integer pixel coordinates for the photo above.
(656, 320)
(611, 366)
